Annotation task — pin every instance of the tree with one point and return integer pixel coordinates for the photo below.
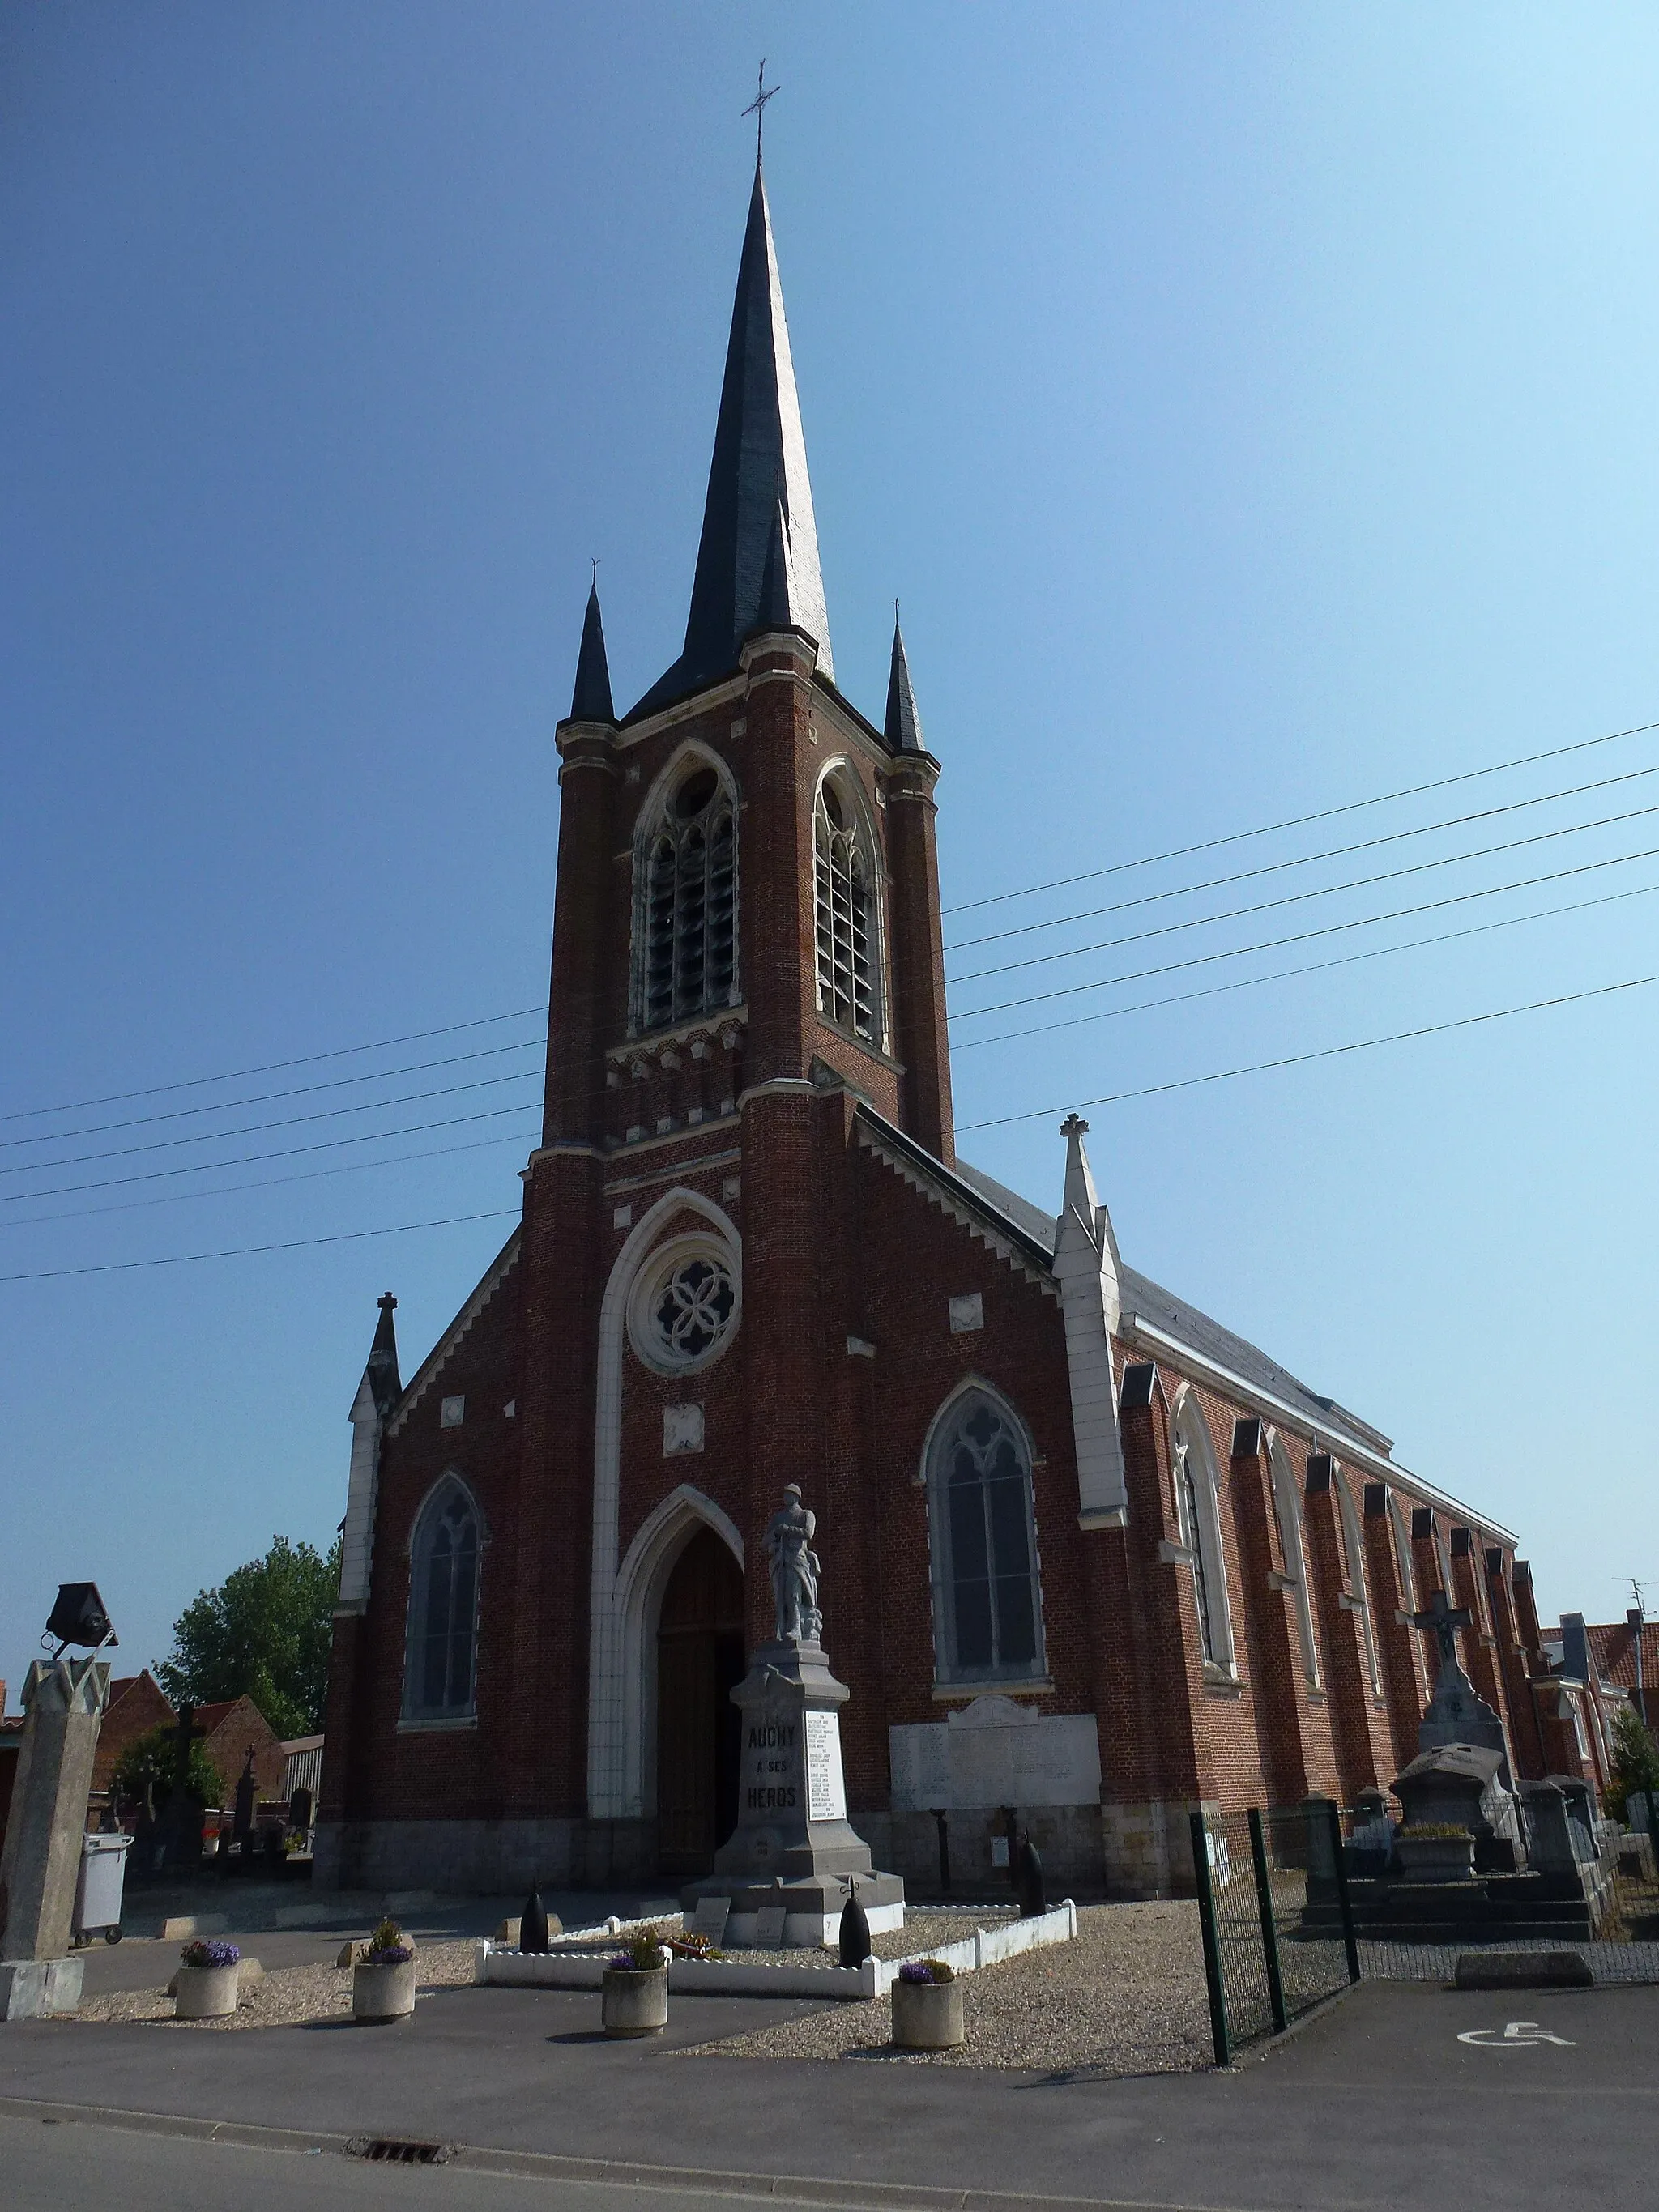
(155, 1758)
(264, 1634)
(1635, 1760)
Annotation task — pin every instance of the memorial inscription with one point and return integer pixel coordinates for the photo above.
(826, 1786)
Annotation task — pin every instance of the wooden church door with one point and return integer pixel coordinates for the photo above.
(700, 1660)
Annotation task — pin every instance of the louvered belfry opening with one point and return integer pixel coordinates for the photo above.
(689, 963)
(844, 923)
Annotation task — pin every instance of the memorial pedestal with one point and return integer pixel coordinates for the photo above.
(793, 1851)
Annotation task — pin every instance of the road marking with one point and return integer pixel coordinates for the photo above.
(1519, 2035)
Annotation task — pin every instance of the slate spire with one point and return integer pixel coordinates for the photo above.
(381, 1372)
(758, 473)
(903, 728)
(591, 700)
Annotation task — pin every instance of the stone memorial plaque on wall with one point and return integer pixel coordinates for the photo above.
(769, 1928)
(996, 1752)
(826, 1790)
(710, 1918)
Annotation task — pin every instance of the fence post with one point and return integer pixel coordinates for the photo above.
(1264, 1898)
(1212, 1946)
(1344, 1904)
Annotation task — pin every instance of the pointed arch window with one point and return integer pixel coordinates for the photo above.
(1353, 1543)
(1287, 1512)
(1198, 1500)
(443, 1607)
(686, 919)
(848, 961)
(986, 1594)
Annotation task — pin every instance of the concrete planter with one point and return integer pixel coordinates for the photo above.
(382, 1992)
(1434, 1858)
(634, 2003)
(927, 2015)
(206, 1992)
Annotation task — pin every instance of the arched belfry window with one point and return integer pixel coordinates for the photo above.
(1198, 1502)
(686, 919)
(848, 939)
(988, 1605)
(443, 1607)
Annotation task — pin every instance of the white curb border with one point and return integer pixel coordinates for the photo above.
(493, 1965)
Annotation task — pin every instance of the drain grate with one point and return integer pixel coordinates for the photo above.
(397, 2150)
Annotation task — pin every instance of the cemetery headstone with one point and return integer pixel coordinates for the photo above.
(768, 1927)
(710, 1918)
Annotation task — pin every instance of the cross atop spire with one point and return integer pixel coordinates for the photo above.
(903, 728)
(757, 107)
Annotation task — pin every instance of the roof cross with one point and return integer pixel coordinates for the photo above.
(1441, 1619)
(757, 107)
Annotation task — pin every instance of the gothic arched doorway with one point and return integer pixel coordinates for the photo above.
(700, 1660)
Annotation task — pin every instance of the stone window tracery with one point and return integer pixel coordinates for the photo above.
(848, 960)
(988, 1625)
(684, 1305)
(686, 913)
(443, 1607)
(1198, 1497)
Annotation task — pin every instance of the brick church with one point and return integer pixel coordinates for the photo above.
(1083, 1551)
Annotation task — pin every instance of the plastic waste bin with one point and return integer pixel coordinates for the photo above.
(98, 1892)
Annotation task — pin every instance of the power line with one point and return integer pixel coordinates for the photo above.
(1036, 1114)
(247, 1251)
(260, 1182)
(1327, 1052)
(1302, 860)
(249, 1159)
(1151, 860)
(283, 1121)
(1311, 967)
(1301, 821)
(269, 1098)
(271, 1066)
(1302, 936)
(1301, 898)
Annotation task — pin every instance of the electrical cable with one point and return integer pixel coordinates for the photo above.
(1302, 821)
(1030, 891)
(269, 1098)
(1304, 936)
(1299, 899)
(1003, 1120)
(1311, 967)
(1325, 1052)
(1303, 860)
(247, 1251)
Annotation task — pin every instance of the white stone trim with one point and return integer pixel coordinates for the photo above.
(636, 1605)
(1292, 1540)
(426, 1372)
(363, 1486)
(936, 1193)
(1136, 1330)
(607, 1784)
(1088, 1270)
(1189, 1429)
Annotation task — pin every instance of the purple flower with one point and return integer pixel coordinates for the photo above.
(200, 1953)
(391, 1955)
(925, 1970)
(622, 1964)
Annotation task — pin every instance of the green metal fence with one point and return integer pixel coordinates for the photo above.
(1263, 1966)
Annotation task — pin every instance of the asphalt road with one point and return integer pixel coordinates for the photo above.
(1381, 2102)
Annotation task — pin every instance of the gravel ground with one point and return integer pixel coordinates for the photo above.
(286, 1997)
(1126, 1997)
(926, 1928)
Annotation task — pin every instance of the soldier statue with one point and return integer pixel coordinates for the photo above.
(794, 1571)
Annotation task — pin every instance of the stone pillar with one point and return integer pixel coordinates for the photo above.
(63, 1702)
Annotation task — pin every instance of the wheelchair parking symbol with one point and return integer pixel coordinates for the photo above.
(1519, 2035)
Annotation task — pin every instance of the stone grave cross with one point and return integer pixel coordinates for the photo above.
(1442, 1620)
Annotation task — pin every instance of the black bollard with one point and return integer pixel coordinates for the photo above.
(1028, 1878)
(532, 1923)
(855, 1930)
(940, 1819)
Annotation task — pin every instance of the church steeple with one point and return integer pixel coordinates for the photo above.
(758, 472)
(902, 729)
(381, 1372)
(591, 700)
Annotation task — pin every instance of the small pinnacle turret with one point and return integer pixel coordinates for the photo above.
(903, 728)
(381, 1372)
(591, 700)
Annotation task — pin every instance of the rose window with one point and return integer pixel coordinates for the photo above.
(691, 1309)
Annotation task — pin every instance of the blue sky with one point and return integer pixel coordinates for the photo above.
(1252, 407)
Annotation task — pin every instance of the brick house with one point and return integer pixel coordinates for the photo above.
(1061, 1512)
(138, 1704)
